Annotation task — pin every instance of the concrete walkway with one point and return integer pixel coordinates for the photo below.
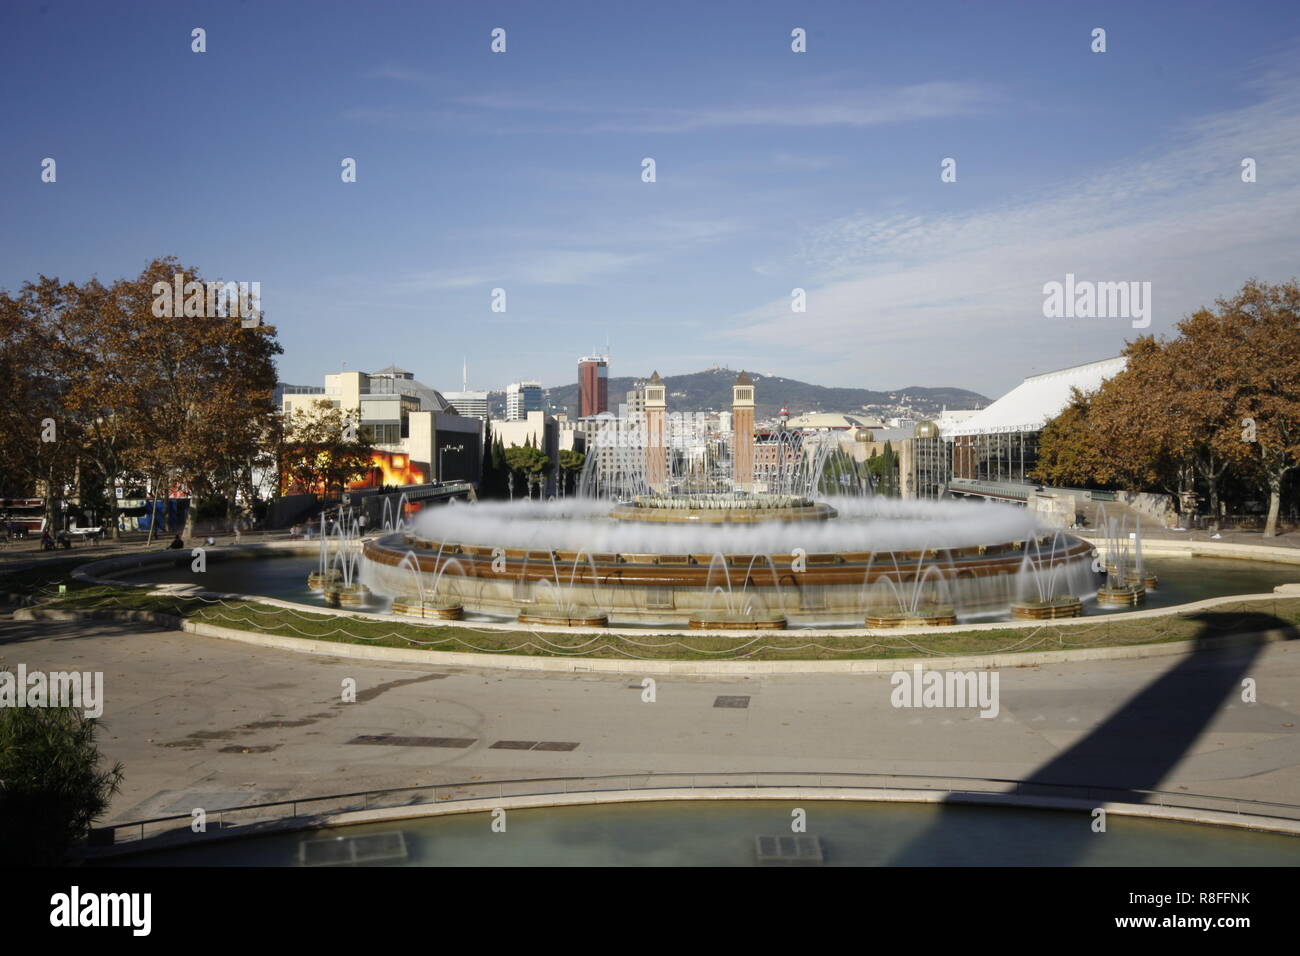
(25, 553)
(211, 723)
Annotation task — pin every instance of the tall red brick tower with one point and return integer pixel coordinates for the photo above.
(742, 432)
(656, 446)
(593, 385)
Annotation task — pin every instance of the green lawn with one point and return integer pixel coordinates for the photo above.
(1236, 617)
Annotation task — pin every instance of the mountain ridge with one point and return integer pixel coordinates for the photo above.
(710, 390)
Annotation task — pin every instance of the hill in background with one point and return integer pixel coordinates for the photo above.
(710, 391)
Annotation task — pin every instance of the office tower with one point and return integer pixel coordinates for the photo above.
(472, 404)
(522, 398)
(593, 385)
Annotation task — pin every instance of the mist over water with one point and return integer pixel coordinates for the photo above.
(864, 524)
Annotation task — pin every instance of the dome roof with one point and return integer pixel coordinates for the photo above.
(926, 430)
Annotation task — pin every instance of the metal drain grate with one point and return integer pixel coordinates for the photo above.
(459, 743)
(741, 702)
(372, 848)
(800, 850)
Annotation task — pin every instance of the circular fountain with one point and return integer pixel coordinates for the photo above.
(673, 525)
(869, 560)
(337, 572)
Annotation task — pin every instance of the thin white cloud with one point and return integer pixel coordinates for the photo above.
(811, 105)
(573, 266)
(849, 108)
(959, 298)
(809, 164)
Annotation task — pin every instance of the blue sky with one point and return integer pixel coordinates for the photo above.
(775, 170)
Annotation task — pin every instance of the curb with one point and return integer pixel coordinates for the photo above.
(572, 665)
(598, 665)
(254, 551)
(97, 614)
(182, 838)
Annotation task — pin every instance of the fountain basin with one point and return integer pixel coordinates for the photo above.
(573, 617)
(671, 588)
(1147, 581)
(929, 615)
(729, 621)
(1126, 595)
(318, 579)
(346, 595)
(687, 509)
(414, 606)
(1065, 605)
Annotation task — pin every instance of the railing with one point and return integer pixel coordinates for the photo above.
(1016, 491)
(314, 808)
(1021, 491)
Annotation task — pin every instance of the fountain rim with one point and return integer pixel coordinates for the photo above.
(693, 568)
(799, 509)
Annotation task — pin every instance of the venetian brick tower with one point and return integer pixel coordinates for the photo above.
(656, 451)
(742, 432)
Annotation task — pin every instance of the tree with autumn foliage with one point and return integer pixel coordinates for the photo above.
(203, 391)
(97, 357)
(1068, 452)
(41, 438)
(99, 389)
(1217, 406)
(1261, 325)
(323, 449)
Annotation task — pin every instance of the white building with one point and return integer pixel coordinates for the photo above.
(402, 417)
(539, 430)
(999, 444)
(469, 403)
(522, 398)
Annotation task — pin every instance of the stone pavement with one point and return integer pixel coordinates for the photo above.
(21, 555)
(204, 722)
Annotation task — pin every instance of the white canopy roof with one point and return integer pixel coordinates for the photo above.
(1030, 405)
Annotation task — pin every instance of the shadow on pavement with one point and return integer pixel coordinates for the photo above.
(1137, 746)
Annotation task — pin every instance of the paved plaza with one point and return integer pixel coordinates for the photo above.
(201, 721)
